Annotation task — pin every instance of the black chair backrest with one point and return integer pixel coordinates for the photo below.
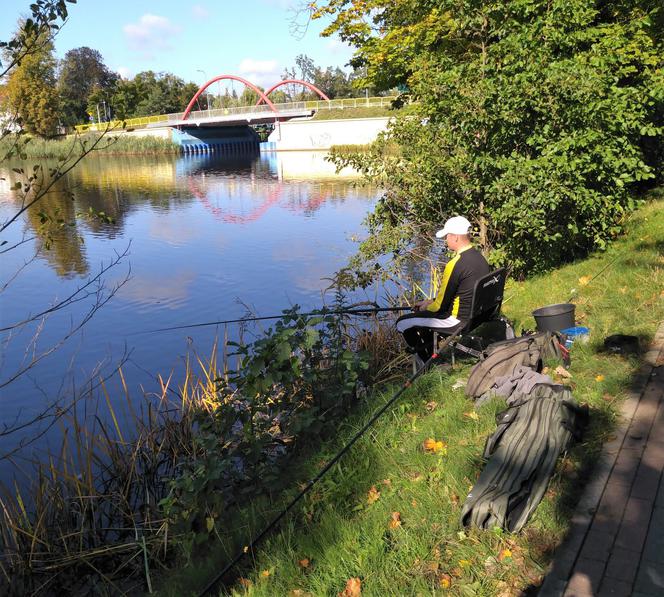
(487, 297)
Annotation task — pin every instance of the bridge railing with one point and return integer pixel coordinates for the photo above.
(314, 105)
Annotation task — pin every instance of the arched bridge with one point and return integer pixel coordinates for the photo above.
(263, 112)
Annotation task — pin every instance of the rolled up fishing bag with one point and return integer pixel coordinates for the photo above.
(522, 455)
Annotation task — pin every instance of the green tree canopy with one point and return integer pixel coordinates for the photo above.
(537, 119)
(82, 72)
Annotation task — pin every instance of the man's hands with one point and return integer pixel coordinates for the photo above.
(421, 305)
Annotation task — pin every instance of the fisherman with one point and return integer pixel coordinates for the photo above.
(450, 310)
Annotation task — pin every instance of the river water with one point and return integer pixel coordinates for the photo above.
(206, 238)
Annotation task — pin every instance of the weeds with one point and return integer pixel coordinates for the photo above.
(121, 144)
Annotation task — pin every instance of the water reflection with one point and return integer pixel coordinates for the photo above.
(208, 236)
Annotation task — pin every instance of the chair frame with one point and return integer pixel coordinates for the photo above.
(485, 306)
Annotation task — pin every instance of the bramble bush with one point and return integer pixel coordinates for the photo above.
(289, 384)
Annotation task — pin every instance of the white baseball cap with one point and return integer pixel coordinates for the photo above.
(455, 225)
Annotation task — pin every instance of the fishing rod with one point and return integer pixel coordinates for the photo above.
(216, 580)
(243, 319)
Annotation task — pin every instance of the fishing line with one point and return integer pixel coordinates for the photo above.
(243, 319)
(328, 466)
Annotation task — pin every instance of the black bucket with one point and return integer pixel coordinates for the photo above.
(554, 318)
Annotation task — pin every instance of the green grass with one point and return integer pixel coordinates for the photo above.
(122, 144)
(344, 536)
(366, 112)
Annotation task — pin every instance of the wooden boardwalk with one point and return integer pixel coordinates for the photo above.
(616, 541)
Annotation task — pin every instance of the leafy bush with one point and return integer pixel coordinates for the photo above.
(289, 383)
(538, 120)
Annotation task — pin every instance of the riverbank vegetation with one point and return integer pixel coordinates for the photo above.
(546, 155)
(65, 147)
(386, 518)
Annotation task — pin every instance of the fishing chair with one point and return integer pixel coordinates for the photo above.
(473, 336)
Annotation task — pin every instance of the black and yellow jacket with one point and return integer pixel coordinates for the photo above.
(456, 289)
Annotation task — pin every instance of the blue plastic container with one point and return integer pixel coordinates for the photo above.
(580, 333)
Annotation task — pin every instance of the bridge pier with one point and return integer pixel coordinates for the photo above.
(220, 139)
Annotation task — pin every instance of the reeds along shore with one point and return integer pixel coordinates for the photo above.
(139, 481)
(111, 144)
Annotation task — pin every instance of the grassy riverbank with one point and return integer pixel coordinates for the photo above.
(388, 514)
(63, 148)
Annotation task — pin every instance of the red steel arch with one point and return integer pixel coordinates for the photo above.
(262, 96)
(289, 81)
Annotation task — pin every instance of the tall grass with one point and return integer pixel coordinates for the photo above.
(111, 144)
(133, 486)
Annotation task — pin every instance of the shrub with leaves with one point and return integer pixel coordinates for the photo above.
(289, 384)
(538, 120)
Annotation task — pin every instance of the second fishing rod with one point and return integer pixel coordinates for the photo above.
(349, 311)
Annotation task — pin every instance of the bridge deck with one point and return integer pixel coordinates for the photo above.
(221, 117)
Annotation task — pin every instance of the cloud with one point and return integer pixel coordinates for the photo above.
(150, 34)
(124, 72)
(259, 72)
(199, 11)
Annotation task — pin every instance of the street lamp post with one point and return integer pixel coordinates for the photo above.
(207, 91)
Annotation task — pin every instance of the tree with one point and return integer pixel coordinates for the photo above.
(539, 120)
(31, 87)
(82, 72)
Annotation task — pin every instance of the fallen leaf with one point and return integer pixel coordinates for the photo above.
(373, 495)
(607, 397)
(395, 520)
(599, 377)
(464, 563)
(454, 498)
(434, 447)
(504, 553)
(431, 405)
(353, 588)
(432, 567)
(386, 482)
(560, 370)
(245, 582)
(413, 503)
(459, 383)
(303, 563)
(583, 280)
(623, 290)
(265, 573)
(445, 581)
(472, 415)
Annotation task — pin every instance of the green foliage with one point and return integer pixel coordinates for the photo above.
(30, 87)
(537, 120)
(289, 384)
(84, 82)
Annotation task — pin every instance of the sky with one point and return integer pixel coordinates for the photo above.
(193, 40)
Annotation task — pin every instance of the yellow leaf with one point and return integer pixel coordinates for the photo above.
(504, 553)
(265, 573)
(583, 280)
(373, 495)
(395, 520)
(472, 415)
(445, 581)
(209, 523)
(304, 563)
(432, 446)
(464, 563)
(599, 378)
(353, 588)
